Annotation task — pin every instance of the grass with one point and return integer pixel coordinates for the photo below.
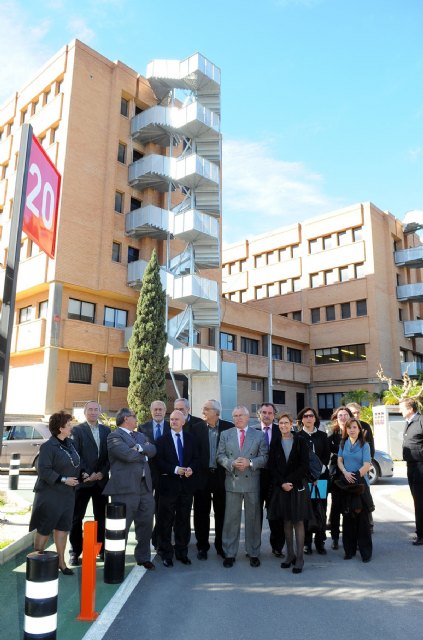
(5, 543)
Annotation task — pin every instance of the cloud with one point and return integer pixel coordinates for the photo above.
(261, 192)
(78, 28)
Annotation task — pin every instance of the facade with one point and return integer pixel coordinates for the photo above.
(140, 165)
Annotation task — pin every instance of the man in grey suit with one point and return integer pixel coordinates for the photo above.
(130, 480)
(242, 451)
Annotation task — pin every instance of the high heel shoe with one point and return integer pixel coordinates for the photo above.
(288, 563)
(298, 568)
(66, 571)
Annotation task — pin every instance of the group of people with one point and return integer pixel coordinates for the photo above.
(162, 470)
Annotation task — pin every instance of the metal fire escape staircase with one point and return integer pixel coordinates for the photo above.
(194, 123)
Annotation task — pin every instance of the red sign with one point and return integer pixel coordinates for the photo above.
(41, 199)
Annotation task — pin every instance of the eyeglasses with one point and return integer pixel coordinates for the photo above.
(130, 415)
(309, 415)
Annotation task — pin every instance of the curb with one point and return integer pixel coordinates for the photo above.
(16, 547)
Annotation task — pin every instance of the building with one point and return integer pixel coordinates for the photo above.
(140, 165)
(353, 279)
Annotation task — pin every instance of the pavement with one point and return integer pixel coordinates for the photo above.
(108, 598)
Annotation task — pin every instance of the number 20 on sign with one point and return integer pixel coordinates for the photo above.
(42, 199)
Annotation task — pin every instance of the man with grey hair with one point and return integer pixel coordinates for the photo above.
(183, 405)
(242, 451)
(211, 485)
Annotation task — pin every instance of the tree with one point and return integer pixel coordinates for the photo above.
(361, 396)
(147, 361)
(395, 392)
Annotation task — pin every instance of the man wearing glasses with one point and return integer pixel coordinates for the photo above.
(130, 481)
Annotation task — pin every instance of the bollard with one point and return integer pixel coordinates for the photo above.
(88, 580)
(115, 543)
(41, 589)
(15, 463)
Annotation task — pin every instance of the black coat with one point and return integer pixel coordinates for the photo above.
(167, 460)
(295, 469)
(412, 450)
(93, 460)
(319, 442)
(147, 429)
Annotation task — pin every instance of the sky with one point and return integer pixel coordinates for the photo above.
(322, 100)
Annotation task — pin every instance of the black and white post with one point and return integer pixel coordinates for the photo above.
(115, 543)
(14, 467)
(42, 584)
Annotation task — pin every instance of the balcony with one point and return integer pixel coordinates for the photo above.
(77, 335)
(413, 328)
(148, 222)
(412, 258)
(412, 368)
(411, 292)
(192, 360)
(136, 271)
(192, 289)
(157, 172)
(29, 335)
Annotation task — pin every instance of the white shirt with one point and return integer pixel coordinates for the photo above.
(175, 442)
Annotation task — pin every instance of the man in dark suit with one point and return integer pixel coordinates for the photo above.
(182, 404)
(266, 415)
(90, 441)
(177, 460)
(130, 481)
(211, 484)
(412, 453)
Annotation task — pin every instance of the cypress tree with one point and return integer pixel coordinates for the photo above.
(147, 361)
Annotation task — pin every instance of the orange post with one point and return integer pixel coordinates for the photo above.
(90, 550)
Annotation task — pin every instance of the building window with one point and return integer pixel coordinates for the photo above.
(342, 238)
(328, 242)
(286, 287)
(135, 204)
(349, 353)
(277, 352)
(330, 313)
(121, 155)
(118, 202)
(261, 260)
(296, 315)
(256, 385)
(79, 310)
(400, 315)
(133, 254)
(359, 270)
(124, 107)
(358, 234)
(403, 355)
(278, 396)
(327, 402)
(313, 245)
(273, 289)
(315, 315)
(293, 355)
(248, 345)
(345, 310)
(42, 309)
(314, 280)
(361, 307)
(260, 292)
(285, 254)
(227, 341)
(244, 295)
(344, 274)
(24, 115)
(26, 314)
(120, 377)
(116, 247)
(330, 276)
(295, 250)
(80, 372)
(117, 318)
(296, 284)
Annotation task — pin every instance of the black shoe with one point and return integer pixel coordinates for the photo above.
(365, 559)
(202, 555)
(74, 561)
(321, 550)
(100, 556)
(254, 562)
(347, 556)
(297, 570)
(418, 541)
(168, 563)
(66, 571)
(228, 562)
(220, 553)
(184, 560)
(278, 553)
(308, 550)
(287, 564)
(147, 565)
(335, 545)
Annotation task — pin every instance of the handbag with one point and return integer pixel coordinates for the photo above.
(318, 520)
(314, 466)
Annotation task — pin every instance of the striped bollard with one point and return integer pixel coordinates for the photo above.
(42, 584)
(14, 465)
(115, 543)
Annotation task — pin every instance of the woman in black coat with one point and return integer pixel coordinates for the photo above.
(290, 501)
(58, 474)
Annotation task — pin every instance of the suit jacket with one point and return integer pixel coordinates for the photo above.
(201, 431)
(128, 466)
(191, 421)
(255, 449)
(148, 431)
(167, 460)
(93, 460)
(412, 448)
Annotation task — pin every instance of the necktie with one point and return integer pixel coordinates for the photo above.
(266, 433)
(241, 438)
(157, 433)
(180, 450)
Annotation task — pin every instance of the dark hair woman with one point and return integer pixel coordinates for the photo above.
(59, 469)
(339, 417)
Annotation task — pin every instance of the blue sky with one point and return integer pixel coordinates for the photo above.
(322, 100)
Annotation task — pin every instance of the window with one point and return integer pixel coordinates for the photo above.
(277, 352)
(133, 254)
(296, 315)
(243, 265)
(135, 204)
(359, 270)
(278, 396)
(53, 134)
(261, 260)
(117, 318)
(116, 247)
(293, 355)
(273, 289)
(327, 402)
(121, 156)
(256, 385)
(80, 372)
(342, 238)
(313, 246)
(330, 276)
(120, 377)
(260, 292)
(118, 202)
(26, 314)
(248, 345)
(330, 313)
(314, 280)
(358, 234)
(286, 287)
(296, 284)
(47, 95)
(328, 242)
(345, 310)
(403, 355)
(315, 315)
(79, 310)
(244, 296)
(295, 250)
(285, 254)
(124, 107)
(344, 274)
(400, 315)
(227, 341)
(24, 115)
(58, 86)
(42, 309)
(273, 257)
(361, 307)
(331, 355)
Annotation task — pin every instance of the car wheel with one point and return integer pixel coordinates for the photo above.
(374, 473)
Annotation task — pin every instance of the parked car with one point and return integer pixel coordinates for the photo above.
(382, 466)
(24, 438)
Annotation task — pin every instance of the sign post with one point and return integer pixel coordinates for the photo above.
(35, 207)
